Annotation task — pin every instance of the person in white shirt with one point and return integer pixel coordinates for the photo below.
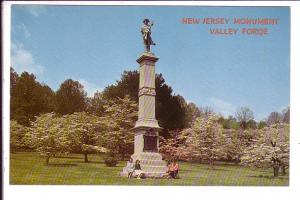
(130, 167)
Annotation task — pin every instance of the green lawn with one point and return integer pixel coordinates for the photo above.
(29, 168)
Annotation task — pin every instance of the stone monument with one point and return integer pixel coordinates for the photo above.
(146, 142)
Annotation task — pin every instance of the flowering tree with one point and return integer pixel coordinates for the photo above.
(48, 136)
(232, 145)
(270, 150)
(53, 134)
(17, 134)
(206, 139)
(175, 146)
(120, 116)
(85, 131)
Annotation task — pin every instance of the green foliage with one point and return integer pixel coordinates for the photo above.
(29, 98)
(95, 105)
(243, 116)
(192, 112)
(261, 124)
(17, 134)
(170, 109)
(70, 97)
(251, 124)
(128, 85)
(229, 123)
(172, 112)
(111, 161)
(232, 146)
(120, 116)
(106, 127)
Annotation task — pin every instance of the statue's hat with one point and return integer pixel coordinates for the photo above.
(146, 20)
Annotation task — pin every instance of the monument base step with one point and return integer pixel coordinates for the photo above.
(151, 163)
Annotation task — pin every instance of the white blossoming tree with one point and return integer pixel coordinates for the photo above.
(270, 150)
(206, 139)
(17, 134)
(120, 116)
(85, 131)
(52, 134)
(48, 136)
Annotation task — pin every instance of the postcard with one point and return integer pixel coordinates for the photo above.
(149, 95)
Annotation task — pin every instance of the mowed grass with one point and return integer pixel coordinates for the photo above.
(30, 168)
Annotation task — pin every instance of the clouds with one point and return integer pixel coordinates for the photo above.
(36, 10)
(23, 60)
(225, 108)
(89, 87)
(22, 30)
(22, 27)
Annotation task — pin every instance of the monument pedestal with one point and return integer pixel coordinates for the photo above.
(146, 141)
(146, 144)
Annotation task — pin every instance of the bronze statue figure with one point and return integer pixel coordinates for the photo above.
(146, 32)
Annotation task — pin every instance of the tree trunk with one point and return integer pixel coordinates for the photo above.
(123, 156)
(276, 170)
(283, 170)
(211, 163)
(86, 158)
(47, 160)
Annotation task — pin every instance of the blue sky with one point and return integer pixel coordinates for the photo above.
(95, 44)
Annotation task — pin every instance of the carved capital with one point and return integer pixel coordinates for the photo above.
(147, 91)
(150, 57)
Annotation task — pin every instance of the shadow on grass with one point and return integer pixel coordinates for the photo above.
(68, 157)
(61, 165)
(97, 162)
(91, 162)
(215, 169)
(267, 177)
(187, 170)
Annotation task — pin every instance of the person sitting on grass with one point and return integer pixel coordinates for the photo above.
(130, 167)
(138, 170)
(173, 169)
(170, 168)
(176, 169)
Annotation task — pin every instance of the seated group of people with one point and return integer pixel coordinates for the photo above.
(135, 170)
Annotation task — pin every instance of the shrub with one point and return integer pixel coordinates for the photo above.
(111, 161)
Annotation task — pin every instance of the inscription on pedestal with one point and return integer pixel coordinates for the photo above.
(150, 143)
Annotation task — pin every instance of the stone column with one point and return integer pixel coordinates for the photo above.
(147, 125)
(146, 143)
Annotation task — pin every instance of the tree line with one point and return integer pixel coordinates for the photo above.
(58, 122)
(29, 98)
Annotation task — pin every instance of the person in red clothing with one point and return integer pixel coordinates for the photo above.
(173, 169)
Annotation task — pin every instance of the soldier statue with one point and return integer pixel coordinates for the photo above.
(146, 32)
